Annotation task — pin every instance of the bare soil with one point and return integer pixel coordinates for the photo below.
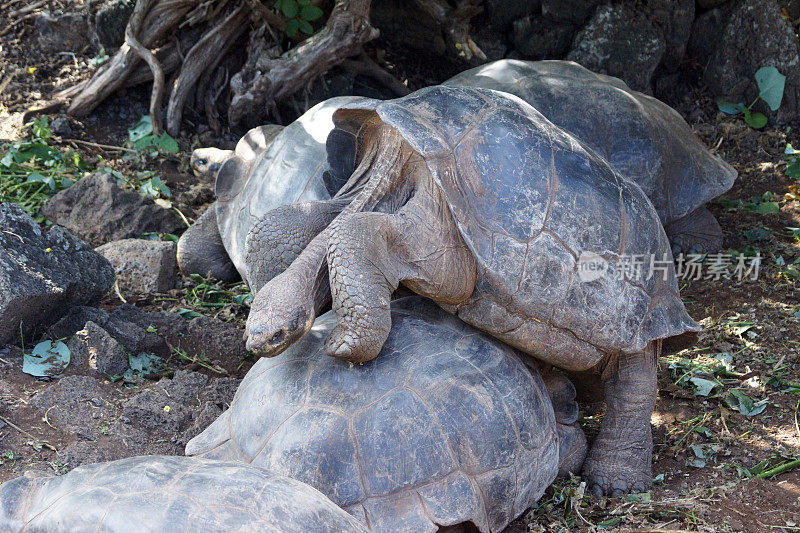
(705, 449)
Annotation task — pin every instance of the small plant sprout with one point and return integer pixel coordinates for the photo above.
(771, 84)
(142, 137)
(299, 15)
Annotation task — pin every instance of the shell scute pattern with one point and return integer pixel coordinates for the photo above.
(159, 493)
(643, 138)
(445, 424)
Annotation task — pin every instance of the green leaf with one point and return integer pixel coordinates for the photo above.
(145, 364)
(793, 169)
(755, 120)
(730, 107)
(35, 177)
(306, 27)
(165, 143)
(289, 9)
(311, 13)
(738, 400)
(757, 234)
(47, 359)
(142, 129)
(766, 208)
(771, 84)
(188, 313)
(292, 27)
(790, 150)
(703, 387)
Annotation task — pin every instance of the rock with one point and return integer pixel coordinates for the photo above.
(142, 266)
(705, 33)
(94, 348)
(76, 319)
(620, 40)
(674, 19)
(109, 22)
(60, 126)
(709, 4)
(754, 35)
(503, 13)
(154, 410)
(62, 33)
(572, 11)
(43, 275)
(98, 211)
(541, 38)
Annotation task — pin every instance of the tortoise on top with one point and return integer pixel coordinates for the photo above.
(271, 167)
(643, 138)
(472, 198)
(168, 494)
(447, 426)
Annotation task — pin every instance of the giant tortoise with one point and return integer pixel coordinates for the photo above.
(646, 140)
(474, 199)
(270, 167)
(176, 494)
(447, 426)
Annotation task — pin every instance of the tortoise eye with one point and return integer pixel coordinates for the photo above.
(277, 337)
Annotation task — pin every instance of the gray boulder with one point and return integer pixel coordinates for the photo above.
(66, 32)
(540, 38)
(109, 22)
(621, 41)
(142, 266)
(754, 35)
(95, 349)
(98, 210)
(42, 275)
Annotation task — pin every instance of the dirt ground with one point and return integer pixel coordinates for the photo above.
(726, 458)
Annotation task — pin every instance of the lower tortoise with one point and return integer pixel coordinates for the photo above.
(448, 426)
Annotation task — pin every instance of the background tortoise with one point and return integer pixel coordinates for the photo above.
(159, 493)
(472, 198)
(447, 426)
(271, 166)
(645, 139)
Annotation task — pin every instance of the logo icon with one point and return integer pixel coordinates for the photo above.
(591, 267)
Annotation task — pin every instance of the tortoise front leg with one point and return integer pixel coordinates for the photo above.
(369, 254)
(282, 234)
(620, 460)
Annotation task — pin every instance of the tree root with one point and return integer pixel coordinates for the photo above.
(157, 94)
(162, 19)
(364, 65)
(272, 80)
(205, 55)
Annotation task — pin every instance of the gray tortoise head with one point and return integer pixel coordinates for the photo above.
(447, 426)
(645, 139)
(159, 493)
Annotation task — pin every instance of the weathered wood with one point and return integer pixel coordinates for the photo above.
(157, 94)
(272, 80)
(205, 55)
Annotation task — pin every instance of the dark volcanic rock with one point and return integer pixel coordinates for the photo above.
(503, 13)
(109, 22)
(572, 11)
(43, 275)
(540, 38)
(142, 266)
(94, 348)
(76, 319)
(620, 40)
(62, 33)
(674, 19)
(98, 211)
(754, 35)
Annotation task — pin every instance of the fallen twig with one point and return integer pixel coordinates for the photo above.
(157, 94)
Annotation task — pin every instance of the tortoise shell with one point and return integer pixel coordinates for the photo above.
(268, 170)
(161, 493)
(645, 139)
(530, 200)
(446, 426)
